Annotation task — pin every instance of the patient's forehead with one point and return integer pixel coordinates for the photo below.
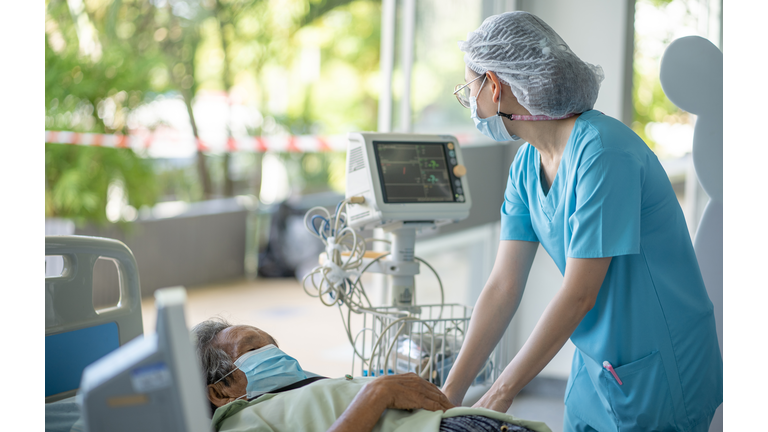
(239, 339)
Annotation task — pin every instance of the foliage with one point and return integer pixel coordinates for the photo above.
(345, 95)
(95, 92)
(316, 172)
(649, 102)
(660, 3)
(177, 182)
(105, 87)
(77, 179)
(110, 57)
(310, 66)
(651, 105)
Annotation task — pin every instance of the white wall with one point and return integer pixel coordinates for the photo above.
(599, 32)
(464, 261)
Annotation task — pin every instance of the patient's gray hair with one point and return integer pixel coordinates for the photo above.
(215, 362)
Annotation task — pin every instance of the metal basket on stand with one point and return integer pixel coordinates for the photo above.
(425, 339)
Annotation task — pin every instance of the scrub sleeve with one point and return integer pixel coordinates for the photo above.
(606, 222)
(515, 216)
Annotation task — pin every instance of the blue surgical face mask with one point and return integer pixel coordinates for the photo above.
(493, 126)
(267, 369)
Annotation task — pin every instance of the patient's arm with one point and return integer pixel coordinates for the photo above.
(407, 391)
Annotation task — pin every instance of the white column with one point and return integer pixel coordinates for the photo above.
(387, 64)
(407, 38)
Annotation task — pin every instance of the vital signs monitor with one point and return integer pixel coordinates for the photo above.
(402, 179)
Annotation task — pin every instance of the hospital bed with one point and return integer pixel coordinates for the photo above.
(77, 333)
(100, 375)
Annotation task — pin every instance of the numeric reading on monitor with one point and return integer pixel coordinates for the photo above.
(414, 172)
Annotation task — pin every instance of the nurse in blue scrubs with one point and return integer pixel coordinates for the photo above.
(593, 194)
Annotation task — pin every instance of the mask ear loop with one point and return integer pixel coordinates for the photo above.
(264, 348)
(481, 86)
(228, 374)
(498, 108)
(478, 92)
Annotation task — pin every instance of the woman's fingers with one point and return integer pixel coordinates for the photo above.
(487, 402)
(441, 398)
(445, 403)
(451, 398)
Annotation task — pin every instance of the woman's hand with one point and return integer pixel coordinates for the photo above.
(581, 285)
(453, 398)
(492, 313)
(492, 400)
(409, 392)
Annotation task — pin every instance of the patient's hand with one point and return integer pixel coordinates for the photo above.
(406, 392)
(409, 392)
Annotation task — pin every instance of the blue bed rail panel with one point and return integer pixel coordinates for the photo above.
(67, 354)
(76, 333)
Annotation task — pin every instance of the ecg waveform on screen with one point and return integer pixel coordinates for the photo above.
(414, 172)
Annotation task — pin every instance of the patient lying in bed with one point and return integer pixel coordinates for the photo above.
(253, 386)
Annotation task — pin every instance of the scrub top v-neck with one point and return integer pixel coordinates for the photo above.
(652, 321)
(548, 200)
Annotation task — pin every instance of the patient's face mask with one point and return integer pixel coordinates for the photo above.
(267, 369)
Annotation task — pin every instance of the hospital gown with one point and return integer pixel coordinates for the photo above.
(316, 407)
(652, 320)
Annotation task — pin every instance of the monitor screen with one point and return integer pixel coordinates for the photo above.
(417, 172)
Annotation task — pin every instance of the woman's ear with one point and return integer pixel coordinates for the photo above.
(495, 86)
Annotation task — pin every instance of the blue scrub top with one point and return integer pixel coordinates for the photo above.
(653, 320)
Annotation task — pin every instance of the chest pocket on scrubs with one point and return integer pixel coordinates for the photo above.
(643, 402)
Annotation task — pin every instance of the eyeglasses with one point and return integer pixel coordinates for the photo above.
(461, 91)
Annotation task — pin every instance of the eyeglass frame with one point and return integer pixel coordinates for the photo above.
(460, 87)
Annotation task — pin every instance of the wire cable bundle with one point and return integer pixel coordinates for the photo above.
(336, 281)
(339, 280)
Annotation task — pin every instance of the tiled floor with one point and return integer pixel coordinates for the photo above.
(307, 330)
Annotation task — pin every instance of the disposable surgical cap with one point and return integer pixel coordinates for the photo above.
(545, 76)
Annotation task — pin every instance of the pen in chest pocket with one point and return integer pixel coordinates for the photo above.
(613, 372)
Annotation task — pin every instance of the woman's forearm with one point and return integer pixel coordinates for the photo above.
(555, 326)
(561, 317)
(490, 318)
(492, 313)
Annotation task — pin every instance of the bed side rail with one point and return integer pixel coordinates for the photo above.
(76, 334)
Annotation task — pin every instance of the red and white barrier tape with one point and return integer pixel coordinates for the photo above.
(292, 143)
(170, 141)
